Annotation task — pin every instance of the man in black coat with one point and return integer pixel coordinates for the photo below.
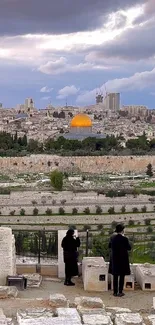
(70, 243)
(119, 260)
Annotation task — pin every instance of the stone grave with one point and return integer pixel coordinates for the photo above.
(145, 276)
(7, 254)
(129, 282)
(95, 274)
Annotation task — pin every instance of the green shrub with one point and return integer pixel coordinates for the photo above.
(86, 210)
(111, 210)
(48, 212)
(98, 210)
(147, 222)
(144, 209)
(56, 178)
(12, 213)
(123, 209)
(74, 211)
(131, 223)
(22, 212)
(35, 211)
(135, 210)
(61, 211)
(86, 227)
(149, 229)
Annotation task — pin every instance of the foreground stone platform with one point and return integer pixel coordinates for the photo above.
(83, 310)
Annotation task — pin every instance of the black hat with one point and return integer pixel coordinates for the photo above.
(70, 232)
(119, 228)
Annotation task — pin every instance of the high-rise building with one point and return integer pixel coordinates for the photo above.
(29, 103)
(112, 101)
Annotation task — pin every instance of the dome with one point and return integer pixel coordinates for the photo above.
(81, 120)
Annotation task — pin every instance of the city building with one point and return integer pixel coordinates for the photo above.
(81, 128)
(29, 104)
(135, 110)
(112, 101)
(99, 98)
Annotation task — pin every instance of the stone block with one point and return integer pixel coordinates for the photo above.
(128, 319)
(68, 313)
(118, 310)
(58, 300)
(8, 292)
(33, 280)
(151, 319)
(95, 274)
(33, 313)
(90, 311)
(145, 276)
(89, 302)
(97, 319)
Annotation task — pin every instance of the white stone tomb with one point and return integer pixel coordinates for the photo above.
(7, 254)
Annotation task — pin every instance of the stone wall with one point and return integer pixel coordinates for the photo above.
(45, 163)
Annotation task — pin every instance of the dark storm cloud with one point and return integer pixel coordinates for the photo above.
(56, 16)
(133, 44)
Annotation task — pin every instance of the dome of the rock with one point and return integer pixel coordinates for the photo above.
(81, 121)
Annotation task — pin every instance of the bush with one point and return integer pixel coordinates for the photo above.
(113, 225)
(22, 212)
(131, 223)
(147, 222)
(12, 213)
(63, 202)
(86, 210)
(86, 227)
(56, 178)
(149, 229)
(74, 211)
(48, 212)
(111, 210)
(35, 211)
(100, 227)
(34, 202)
(123, 209)
(135, 210)
(72, 227)
(53, 202)
(98, 210)
(144, 209)
(61, 211)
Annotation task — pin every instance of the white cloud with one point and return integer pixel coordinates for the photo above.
(138, 81)
(46, 98)
(46, 90)
(61, 65)
(67, 91)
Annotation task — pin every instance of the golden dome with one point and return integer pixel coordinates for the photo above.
(81, 120)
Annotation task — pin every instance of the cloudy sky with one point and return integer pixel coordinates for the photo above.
(52, 50)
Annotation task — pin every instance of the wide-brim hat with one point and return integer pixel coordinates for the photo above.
(119, 228)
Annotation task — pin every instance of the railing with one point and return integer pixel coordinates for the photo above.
(44, 245)
(39, 244)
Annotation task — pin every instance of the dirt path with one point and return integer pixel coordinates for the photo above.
(135, 300)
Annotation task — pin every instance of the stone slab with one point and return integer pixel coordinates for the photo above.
(8, 292)
(68, 313)
(97, 319)
(89, 302)
(33, 280)
(58, 300)
(128, 319)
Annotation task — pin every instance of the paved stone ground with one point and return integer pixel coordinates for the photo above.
(29, 298)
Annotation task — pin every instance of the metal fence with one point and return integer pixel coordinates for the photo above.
(38, 244)
(44, 244)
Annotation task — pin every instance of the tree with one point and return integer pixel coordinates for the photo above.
(131, 222)
(147, 222)
(74, 211)
(22, 212)
(113, 225)
(111, 210)
(98, 210)
(135, 210)
(44, 241)
(36, 246)
(86, 227)
(149, 170)
(100, 227)
(61, 211)
(56, 178)
(35, 211)
(149, 229)
(123, 209)
(48, 212)
(144, 209)
(87, 210)
(12, 213)
(100, 247)
(19, 242)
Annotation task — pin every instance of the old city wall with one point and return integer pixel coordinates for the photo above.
(102, 164)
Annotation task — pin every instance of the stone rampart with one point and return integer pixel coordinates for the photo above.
(102, 164)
